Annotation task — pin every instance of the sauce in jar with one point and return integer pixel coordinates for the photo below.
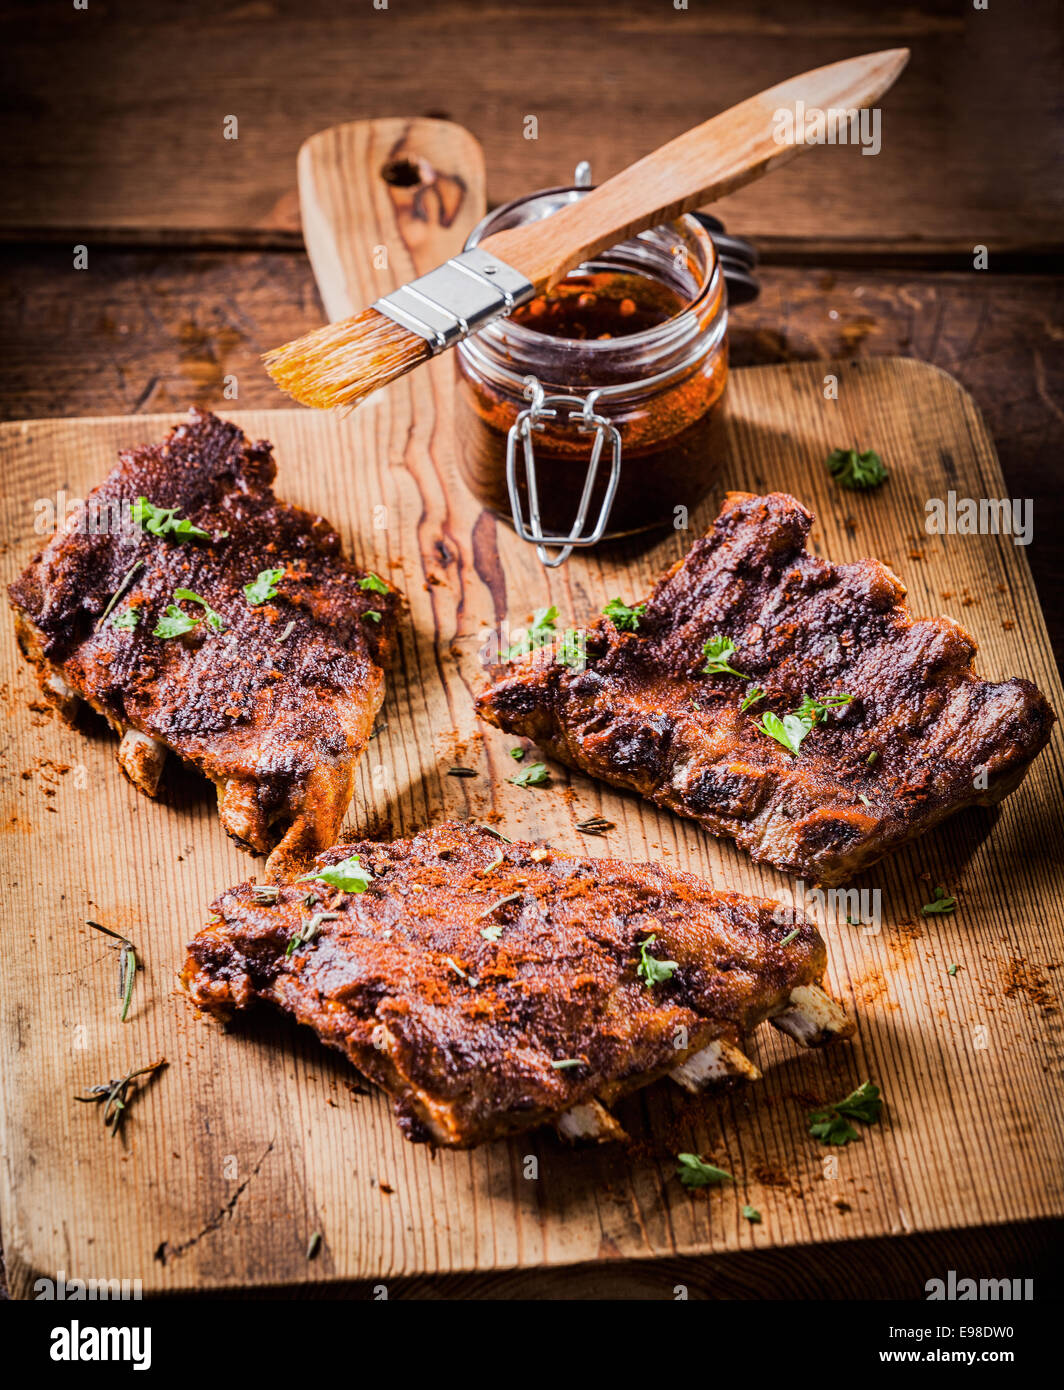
(644, 327)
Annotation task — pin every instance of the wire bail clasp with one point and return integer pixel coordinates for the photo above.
(582, 410)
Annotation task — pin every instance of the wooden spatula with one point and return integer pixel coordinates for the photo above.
(343, 363)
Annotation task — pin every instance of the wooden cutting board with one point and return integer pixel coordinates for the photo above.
(249, 1143)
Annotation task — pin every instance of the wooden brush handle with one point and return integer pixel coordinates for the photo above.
(713, 159)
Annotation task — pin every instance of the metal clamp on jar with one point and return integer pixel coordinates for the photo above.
(591, 412)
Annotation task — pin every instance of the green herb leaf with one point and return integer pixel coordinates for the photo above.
(854, 471)
(164, 521)
(752, 1215)
(622, 617)
(815, 710)
(786, 940)
(126, 620)
(952, 970)
(517, 754)
(940, 904)
(373, 583)
(174, 623)
(651, 970)
(830, 1126)
(538, 635)
(349, 875)
(790, 730)
(695, 1172)
(263, 587)
(831, 1129)
(573, 649)
(372, 615)
(535, 775)
(717, 651)
(754, 693)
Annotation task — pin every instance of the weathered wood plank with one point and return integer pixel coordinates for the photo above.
(250, 1142)
(115, 113)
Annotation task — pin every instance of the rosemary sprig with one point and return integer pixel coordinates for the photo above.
(510, 898)
(115, 1094)
(594, 825)
(118, 592)
(264, 894)
(127, 965)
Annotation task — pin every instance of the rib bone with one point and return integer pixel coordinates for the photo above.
(141, 759)
(813, 1018)
(589, 1122)
(718, 1061)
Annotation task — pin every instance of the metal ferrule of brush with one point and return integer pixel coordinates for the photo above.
(457, 298)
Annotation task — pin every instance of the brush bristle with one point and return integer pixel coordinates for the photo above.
(342, 363)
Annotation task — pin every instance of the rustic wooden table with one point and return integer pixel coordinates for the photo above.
(117, 123)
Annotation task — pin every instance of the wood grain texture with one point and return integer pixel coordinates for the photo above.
(713, 160)
(115, 114)
(250, 1142)
(420, 181)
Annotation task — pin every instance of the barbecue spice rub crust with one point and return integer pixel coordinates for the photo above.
(492, 987)
(921, 737)
(273, 699)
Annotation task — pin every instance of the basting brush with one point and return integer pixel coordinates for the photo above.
(342, 363)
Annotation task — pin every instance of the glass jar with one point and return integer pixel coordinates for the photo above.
(636, 338)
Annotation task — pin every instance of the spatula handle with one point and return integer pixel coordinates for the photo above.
(714, 159)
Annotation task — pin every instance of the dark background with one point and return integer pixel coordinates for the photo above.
(113, 139)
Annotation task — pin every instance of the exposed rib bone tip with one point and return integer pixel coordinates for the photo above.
(589, 1122)
(718, 1061)
(813, 1018)
(141, 759)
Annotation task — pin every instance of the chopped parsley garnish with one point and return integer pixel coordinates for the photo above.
(164, 521)
(817, 709)
(872, 757)
(175, 621)
(651, 970)
(573, 649)
(832, 1124)
(372, 615)
(940, 904)
(622, 617)
(538, 634)
(534, 775)
(127, 619)
(752, 1215)
(263, 587)
(856, 471)
(952, 970)
(349, 875)
(517, 754)
(717, 651)
(790, 730)
(754, 693)
(695, 1172)
(373, 583)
